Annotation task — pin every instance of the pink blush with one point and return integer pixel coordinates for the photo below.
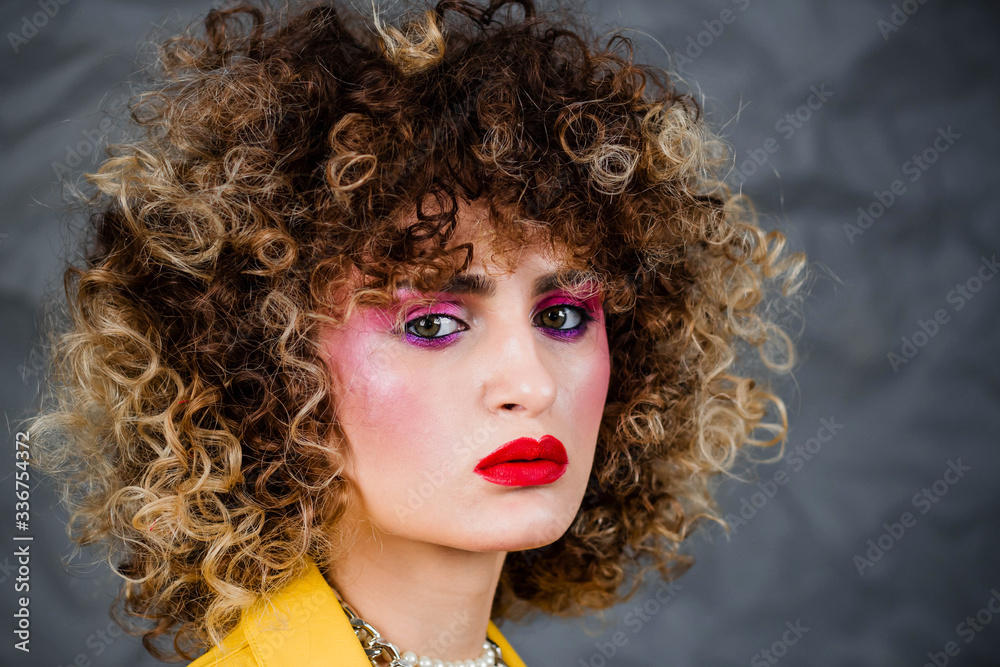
(373, 385)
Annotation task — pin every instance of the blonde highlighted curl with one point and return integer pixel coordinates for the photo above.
(191, 417)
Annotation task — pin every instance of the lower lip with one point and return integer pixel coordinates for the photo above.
(523, 473)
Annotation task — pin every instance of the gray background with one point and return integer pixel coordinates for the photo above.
(792, 561)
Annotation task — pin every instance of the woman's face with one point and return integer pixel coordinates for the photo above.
(425, 410)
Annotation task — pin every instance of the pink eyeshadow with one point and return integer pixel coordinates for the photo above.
(593, 303)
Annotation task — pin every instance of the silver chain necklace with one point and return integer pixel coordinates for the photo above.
(381, 651)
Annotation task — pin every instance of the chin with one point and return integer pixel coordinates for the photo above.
(522, 531)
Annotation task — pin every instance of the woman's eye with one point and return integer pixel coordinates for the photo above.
(562, 316)
(432, 326)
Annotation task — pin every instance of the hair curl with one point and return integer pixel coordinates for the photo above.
(189, 413)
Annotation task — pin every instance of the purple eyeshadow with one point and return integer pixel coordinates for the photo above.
(431, 343)
(564, 334)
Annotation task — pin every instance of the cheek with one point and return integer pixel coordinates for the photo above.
(588, 393)
(367, 385)
(592, 383)
(596, 393)
(381, 401)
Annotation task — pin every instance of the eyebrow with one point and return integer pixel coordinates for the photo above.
(480, 284)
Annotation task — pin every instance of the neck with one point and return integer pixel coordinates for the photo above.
(426, 598)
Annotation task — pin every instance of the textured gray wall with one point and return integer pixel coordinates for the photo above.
(880, 94)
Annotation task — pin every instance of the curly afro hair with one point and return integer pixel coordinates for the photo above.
(272, 159)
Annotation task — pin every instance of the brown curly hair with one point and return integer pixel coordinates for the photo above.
(189, 415)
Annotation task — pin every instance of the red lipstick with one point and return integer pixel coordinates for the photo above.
(525, 462)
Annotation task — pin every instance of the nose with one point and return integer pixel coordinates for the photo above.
(518, 378)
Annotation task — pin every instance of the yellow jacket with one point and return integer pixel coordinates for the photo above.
(303, 625)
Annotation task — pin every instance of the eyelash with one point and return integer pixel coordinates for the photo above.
(564, 334)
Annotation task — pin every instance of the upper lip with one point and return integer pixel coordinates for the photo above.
(546, 448)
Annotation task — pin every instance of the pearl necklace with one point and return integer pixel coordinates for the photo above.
(379, 648)
(488, 658)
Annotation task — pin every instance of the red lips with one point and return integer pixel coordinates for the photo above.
(525, 462)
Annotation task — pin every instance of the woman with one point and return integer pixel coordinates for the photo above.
(388, 331)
